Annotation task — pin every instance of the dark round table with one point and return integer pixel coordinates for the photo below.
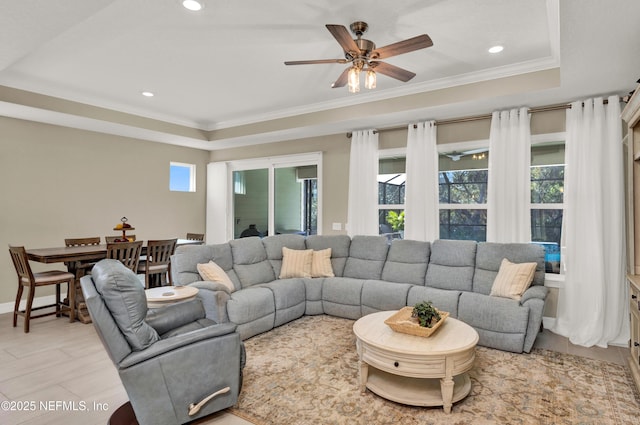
(124, 415)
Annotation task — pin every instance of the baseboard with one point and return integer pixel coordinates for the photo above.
(37, 302)
(548, 322)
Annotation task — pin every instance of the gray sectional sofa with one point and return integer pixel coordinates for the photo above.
(371, 274)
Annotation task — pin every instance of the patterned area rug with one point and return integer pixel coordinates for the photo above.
(306, 373)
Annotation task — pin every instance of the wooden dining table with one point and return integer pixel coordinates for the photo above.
(76, 255)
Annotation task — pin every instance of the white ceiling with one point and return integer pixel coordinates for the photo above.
(222, 68)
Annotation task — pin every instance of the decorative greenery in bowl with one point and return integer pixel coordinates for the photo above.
(426, 314)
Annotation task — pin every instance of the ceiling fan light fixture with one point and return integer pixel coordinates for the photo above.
(353, 79)
(370, 79)
(192, 5)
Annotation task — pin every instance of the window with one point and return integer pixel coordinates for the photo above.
(391, 195)
(182, 177)
(463, 194)
(547, 197)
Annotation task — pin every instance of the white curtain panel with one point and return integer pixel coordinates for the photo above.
(219, 227)
(421, 205)
(591, 307)
(362, 213)
(509, 183)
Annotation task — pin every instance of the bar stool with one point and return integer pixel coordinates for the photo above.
(27, 278)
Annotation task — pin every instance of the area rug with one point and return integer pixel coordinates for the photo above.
(306, 373)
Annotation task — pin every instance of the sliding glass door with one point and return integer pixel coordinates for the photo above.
(276, 196)
(250, 202)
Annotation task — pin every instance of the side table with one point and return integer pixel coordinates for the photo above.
(164, 295)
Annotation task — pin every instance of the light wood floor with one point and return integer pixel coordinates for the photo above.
(65, 362)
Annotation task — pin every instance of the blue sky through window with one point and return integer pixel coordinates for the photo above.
(180, 177)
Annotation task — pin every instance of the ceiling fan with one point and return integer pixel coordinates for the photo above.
(363, 56)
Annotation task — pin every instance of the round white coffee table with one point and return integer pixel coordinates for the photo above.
(415, 370)
(164, 295)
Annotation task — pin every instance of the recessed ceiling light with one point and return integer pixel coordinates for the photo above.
(147, 94)
(496, 49)
(192, 5)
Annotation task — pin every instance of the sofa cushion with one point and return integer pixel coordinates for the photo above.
(123, 294)
(289, 299)
(378, 295)
(313, 296)
(500, 322)
(213, 273)
(513, 279)
(321, 263)
(274, 244)
(253, 310)
(367, 255)
(250, 261)
(406, 262)
(296, 263)
(339, 245)
(490, 257)
(341, 296)
(451, 264)
(442, 299)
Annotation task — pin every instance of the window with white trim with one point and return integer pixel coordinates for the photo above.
(182, 177)
(547, 199)
(463, 194)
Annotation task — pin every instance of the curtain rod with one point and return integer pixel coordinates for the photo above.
(484, 117)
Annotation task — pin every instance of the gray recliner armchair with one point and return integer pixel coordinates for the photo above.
(175, 364)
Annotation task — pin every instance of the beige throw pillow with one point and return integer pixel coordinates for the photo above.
(513, 279)
(212, 272)
(321, 264)
(296, 263)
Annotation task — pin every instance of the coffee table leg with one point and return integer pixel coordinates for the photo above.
(364, 373)
(446, 387)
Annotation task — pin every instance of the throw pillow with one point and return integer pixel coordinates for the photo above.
(296, 263)
(513, 279)
(214, 273)
(321, 263)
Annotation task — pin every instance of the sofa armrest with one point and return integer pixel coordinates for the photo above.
(173, 316)
(170, 344)
(536, 291)
(209, 285)
(214, 297)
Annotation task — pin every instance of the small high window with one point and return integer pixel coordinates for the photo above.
(182, 177)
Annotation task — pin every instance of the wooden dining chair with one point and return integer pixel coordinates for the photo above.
(157, 264)
(126, 252)
(195, 236)
(26, 278)
(81, 267)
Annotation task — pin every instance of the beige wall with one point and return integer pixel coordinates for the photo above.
(57, 182)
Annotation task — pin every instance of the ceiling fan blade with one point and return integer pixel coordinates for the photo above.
(392, 71)
(341, 34)
(416, 43)
(342, 79)
(312, 62)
